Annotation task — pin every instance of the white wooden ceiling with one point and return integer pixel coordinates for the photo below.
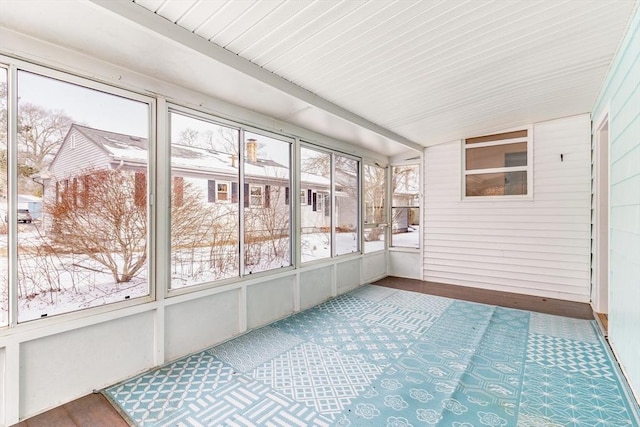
(370, 72)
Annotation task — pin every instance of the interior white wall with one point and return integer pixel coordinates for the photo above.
(535, 245)
(620, 95)
(50, 361)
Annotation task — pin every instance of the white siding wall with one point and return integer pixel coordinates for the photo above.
(621, 95)
(539, 246)
(74, 160)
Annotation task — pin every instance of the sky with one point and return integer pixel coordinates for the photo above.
(86, 106)
(114, 113)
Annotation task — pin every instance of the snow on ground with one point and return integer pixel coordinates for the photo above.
(51, 284)
(410, 239)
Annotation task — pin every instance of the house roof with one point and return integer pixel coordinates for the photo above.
(129, 148)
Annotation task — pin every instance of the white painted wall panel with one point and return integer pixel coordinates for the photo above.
(374, 266)
(315, 286)
(348, 276)
(405, 264)
(539, 246)
(62, 367)
(217, 317)
(269, 301)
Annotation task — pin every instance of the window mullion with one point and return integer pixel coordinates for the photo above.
(12, 199)
(241, 199)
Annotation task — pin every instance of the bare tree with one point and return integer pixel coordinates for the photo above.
(223, 139)
(106, 220)
(40, 133)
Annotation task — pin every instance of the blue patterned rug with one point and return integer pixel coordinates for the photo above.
(387, 357)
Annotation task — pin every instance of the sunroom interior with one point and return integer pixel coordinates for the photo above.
(179, 173)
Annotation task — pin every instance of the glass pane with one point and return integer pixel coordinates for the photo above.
(82, 205)
(406, 227)
(498, 156)
(375, 207)
(4, 264)
(405, 219)
(204, 213)
(497, 184)
(346, 192)
(267, 221)
(315, 215)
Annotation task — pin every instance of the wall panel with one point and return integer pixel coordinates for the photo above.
(538, 246)
(217, 318)
(620, 95)
(315, 286)
(59, 368)
(269, 301)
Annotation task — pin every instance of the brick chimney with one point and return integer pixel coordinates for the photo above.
(252, 150)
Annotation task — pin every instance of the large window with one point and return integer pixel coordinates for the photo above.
(330, 214)
(81, 211)
(496, 165)
(267, 216)
(405, 208)
(204, 201)
(375, 203)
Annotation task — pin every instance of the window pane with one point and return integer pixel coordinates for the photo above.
(406, 227)
(315, 215)
(375, 207)
(498, 156)
(346, 192)
(405, 212)
(4, 270)
(204, 213)
(497, 184)
(267, 219)
(82, 206)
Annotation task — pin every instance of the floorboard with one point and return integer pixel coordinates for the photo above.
(503, 299)
(95, 410)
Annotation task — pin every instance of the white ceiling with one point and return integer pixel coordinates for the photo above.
(385, 75)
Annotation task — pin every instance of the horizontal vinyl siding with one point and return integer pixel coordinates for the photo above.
(621, 96)
(539, 246)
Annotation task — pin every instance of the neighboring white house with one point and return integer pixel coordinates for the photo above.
(215, 174)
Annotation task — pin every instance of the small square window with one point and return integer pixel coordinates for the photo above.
(497, 165)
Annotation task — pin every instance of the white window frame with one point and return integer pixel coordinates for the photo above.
(227, 193)
(14, 67)
(251, 196)
(528, 168)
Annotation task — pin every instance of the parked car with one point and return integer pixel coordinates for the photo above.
(24, 216)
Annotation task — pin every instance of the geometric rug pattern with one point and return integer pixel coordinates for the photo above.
(386, 357)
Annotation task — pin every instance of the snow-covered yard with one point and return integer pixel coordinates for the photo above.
(51, 282)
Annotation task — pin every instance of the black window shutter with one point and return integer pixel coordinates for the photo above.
(315, 202)
(309, 197)
(211, 191)
(267, 196)
(234, 192)
(246, 195)
(286, 195)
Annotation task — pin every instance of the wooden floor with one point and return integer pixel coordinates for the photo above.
(504, 299)
(95, 410)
